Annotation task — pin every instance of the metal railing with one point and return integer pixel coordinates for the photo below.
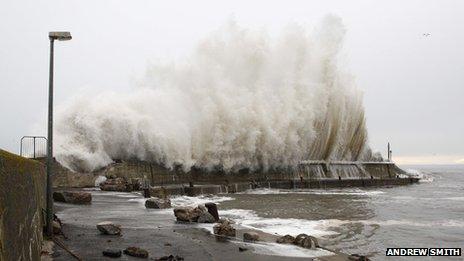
(33, 147)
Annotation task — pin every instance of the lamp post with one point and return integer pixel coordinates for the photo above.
(60, 36)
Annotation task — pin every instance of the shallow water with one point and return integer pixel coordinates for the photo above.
(366, 221)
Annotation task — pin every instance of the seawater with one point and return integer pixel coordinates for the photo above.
(364, 221)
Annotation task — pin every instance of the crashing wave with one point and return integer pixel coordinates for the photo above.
(240, 100)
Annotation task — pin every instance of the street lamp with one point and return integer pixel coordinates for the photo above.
(60, 36)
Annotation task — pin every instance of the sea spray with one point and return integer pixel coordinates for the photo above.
(240, 100)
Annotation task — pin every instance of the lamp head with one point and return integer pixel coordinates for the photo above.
(60, 36)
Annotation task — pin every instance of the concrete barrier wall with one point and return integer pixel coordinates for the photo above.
(311, 171)
(159, 175)
(165, 191)
(65, 178)
(22, 200)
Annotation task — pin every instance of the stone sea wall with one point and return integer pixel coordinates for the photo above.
(22, 200)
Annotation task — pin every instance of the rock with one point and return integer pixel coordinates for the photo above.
(212, 209)
(112, 253)
(241, 249)
(250, 236)
(206, 217)
(170, 258)
(56, 228)
(183, 214)
(196, 212)
(136, 252)
(356, 257)
(72, 197)
(188, 214)
(157, 203)
(202, 208)
(108, 228)
(224, 229)
(287, 239)
(306, 241)
(116, 184)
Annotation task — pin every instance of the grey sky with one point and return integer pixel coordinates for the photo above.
(413, 84)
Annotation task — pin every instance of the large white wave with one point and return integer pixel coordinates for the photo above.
(240, 100)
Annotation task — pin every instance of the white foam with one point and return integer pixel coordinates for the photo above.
(423, 177)
(186, 201)
(134, 195)
(275, 249)
(455, 198)
(281, 226)
(99, 180)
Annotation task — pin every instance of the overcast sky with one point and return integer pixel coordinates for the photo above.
(413, 84)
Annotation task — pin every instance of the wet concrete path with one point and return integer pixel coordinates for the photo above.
(154, 230)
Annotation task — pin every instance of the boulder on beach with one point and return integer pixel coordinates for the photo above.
(183, 214)
(306, 241)
(157, 203)
(112, 253)
(116, 184)
(250, 236)
(136, 252)
(109, 228)
(224, 229)
(187, 214)
(212, 209)
(287, 239)
(356, 257)
(72, 197)
(170, 258)
(206, 217)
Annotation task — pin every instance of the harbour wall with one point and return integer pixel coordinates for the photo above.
(307, 171)
(22, 200)
(164, 191)
(309, 174)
